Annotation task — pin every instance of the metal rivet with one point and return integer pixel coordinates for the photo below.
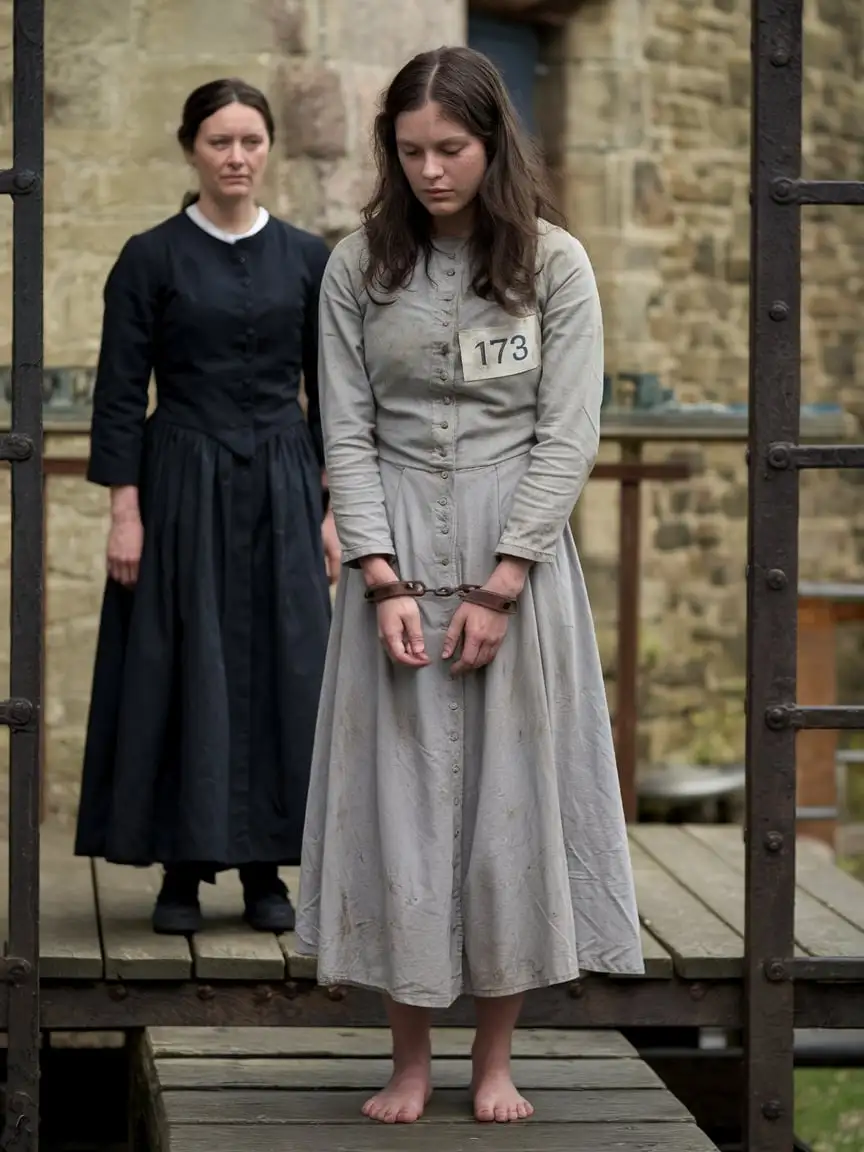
(772, 1110)
(777, 717)
(779, 310)
(576, 990)
(780, 57)
(773, 841)
(783, 189)
(776, 579)
(779, 456)
(697, 991)
(775, 971)
(205, 992)
(118, 992)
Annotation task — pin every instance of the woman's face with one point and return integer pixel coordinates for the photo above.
(442, 161)
(230, 153)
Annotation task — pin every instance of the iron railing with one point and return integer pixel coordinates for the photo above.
(775, 457)
(22, 447)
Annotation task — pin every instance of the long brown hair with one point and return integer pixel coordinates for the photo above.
(511, 196)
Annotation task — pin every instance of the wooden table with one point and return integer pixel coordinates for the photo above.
(218, 1090)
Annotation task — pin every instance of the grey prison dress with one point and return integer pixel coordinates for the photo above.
(463, 835)
(206, 679)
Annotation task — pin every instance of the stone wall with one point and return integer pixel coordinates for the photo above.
(646, 118)
(118, 72)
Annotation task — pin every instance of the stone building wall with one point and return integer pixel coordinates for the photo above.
(651, 151)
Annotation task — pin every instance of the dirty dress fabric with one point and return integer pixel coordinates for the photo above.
(206, 680)
(463, 835)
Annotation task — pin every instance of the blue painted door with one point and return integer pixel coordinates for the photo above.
(514, 48)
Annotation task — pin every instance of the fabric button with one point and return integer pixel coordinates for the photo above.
(443, 502)
(448, 399)
(451, 271)
(445, 475)
(444, 424)
(454, 737)
(453, 705)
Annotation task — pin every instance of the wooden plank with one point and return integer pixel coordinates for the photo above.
(835, 888)
(370, 1074)
(530, 1136)
(702, 946)
(133, 951)
(375, 1042)
(819, 930)
(69, 944)
(450, 1106)
(713, 882)
(658, 963)
(227, 948)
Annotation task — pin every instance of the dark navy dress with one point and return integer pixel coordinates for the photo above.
(207, 674)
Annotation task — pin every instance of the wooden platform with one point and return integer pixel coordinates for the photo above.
(95, 922)
(221, 1090)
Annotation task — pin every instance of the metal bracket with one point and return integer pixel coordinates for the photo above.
(838, 718)
(14, 183)
(14, 970)
(15, 446)
(781, 456)
(828, 968)
(16, 714)
(785, 190)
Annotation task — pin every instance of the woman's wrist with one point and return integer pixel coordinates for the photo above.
(377, 570)
(509, 577)
(124, 504)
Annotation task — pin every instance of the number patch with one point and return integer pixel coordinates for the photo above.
(489, 353)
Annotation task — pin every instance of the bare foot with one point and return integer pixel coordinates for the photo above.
(496, 1098)
(404, 1098)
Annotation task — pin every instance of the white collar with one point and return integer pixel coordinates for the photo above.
(197, 217)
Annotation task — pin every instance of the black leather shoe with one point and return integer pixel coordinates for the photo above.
(177, 911)
(268, 907)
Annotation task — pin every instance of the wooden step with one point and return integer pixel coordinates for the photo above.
(223, 1089)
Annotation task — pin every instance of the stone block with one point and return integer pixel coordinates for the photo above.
(88, 23)
(388, 34)
(312, 110)
(203, 28)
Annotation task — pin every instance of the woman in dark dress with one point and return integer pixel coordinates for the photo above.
(216, 611)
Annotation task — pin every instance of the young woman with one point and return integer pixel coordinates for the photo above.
(464, 831)
(216, 610)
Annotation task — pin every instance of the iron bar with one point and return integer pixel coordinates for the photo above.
(782, 456)
(786, 190)
(836, 718)
(772, 570)
(834, 968)
(14, 446)
(21, 712)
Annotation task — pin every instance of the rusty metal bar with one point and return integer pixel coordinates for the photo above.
(831, 718)
(791, 191)
(832, 968)
(21, 713)
(772, 571)
(782, 456)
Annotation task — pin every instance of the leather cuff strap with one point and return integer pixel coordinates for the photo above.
(470, 593)
(492, 600)
(395, 588)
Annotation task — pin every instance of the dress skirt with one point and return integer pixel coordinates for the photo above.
(207, 675)
(465, 835)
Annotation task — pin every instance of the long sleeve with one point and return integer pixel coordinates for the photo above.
(123, 374)
(348, 421)
(318, 256)
(568, 406)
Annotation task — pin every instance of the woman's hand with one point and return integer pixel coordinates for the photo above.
(125, 543)
(482, 630)
(400, 630)
(332, 547)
